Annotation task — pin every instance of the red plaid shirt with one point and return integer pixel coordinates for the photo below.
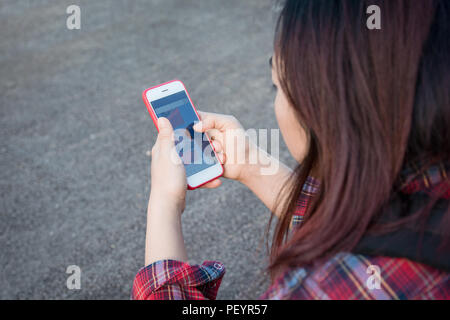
(344, 276)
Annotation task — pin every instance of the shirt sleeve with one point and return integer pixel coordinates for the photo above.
(176, 280)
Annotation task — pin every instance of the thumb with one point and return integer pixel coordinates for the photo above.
(166, 140)
(165, 129)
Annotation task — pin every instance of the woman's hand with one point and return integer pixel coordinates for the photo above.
(231, 144)
(164, 238)
(243, 160)
(168, 176)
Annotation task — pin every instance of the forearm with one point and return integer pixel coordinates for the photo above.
(266, 178)
(164, 238)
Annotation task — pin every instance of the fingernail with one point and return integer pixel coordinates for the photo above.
(162, 122)
(198, 125)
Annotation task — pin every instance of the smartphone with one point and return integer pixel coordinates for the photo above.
(172, 101)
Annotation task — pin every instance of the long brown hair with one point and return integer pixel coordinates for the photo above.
(371, 101)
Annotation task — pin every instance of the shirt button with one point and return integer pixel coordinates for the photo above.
(218, 266)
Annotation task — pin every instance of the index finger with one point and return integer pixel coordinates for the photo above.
(211, 120)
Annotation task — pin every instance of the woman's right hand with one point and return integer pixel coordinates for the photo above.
(231, 144)
(243, 160)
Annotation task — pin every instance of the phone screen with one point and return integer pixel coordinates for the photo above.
(193, 147)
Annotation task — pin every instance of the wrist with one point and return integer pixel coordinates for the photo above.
(257, 158)
(164, 239)
(165, 207)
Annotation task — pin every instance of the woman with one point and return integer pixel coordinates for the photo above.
(366, 114)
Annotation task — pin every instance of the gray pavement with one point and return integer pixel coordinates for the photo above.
(74, 174)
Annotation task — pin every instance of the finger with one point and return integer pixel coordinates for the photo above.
(212, 184)
(203, 114)
(165, 136)
(216, 145)
(214, 134)
(165, 142)
(208, 121)
(200, 127)
(222, 157)
(165, 128)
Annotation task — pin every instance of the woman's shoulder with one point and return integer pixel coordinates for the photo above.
(355, 276)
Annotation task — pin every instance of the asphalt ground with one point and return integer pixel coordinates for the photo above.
(75, 136)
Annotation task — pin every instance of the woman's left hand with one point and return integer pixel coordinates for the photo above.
(168, 176)
(167, 200)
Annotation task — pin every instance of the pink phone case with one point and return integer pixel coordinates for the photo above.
(155, 121)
